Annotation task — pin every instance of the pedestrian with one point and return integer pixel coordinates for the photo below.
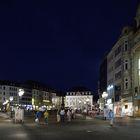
(62, 115)
(111, 117)
(38, 116)
(58, 116)
(46, 116)
(84, 113)
(72, 114)
(21, 115)
(105, 113)
(17, 115)
(69, 115)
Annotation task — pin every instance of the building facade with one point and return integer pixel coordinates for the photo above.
(79, 100)
(123, 71)
(35, 95)
(8, 90)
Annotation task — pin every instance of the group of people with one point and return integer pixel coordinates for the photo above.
(41, 114)
(65, 114)
(62, 116)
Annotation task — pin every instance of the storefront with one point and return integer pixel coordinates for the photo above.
(118, 109)
(137, 106)
(127, 106)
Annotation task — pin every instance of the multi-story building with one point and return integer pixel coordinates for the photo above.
(135, 52)
(41, 94)
(79, 98)
(119, 73)
(123, 71)
(9, 89)
(58, 99)
(35, 95)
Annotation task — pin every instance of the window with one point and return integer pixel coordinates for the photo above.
(118, 75)
(117, 63)
(126, 65)
(126, 84)
(117, 51)
(126, 46)
(126, 106)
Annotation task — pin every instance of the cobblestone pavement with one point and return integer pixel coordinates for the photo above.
(78, 129)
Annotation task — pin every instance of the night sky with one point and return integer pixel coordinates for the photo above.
(60, 43)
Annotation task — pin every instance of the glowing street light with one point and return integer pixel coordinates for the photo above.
(104, 95)
(21, 92)
(11, 98)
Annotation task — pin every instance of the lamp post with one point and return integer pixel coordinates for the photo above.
(104, 96)
(87, 101)
(20, 93)
(10, 102)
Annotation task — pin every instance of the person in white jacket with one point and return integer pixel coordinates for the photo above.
(105, 113)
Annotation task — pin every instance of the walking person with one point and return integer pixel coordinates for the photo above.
(58, 116)
(17, 115)
(72, 114)
(84, 113)
(69, 115)
(105, 113)
(62, 115)
(111, 117)
(38, 116)
(46, 116)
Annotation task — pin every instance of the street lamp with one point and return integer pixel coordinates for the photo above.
(11, 98)
(10, 102)
(20, 93)
(104, 96)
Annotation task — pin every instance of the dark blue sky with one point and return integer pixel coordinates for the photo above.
(59, 42)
